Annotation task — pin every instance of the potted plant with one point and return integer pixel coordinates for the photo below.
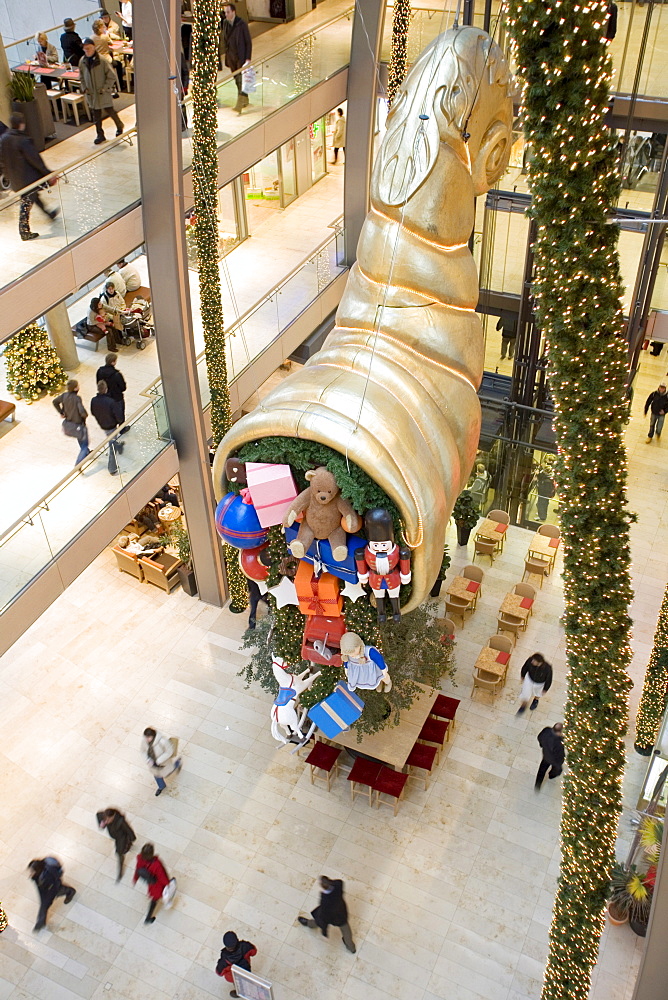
(630, 898)
(445, 562)
(22, 94)
(178, 537)
(465, 515)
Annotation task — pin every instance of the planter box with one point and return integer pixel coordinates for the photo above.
(34, 128)
(188, 582)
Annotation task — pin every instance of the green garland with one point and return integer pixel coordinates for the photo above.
(206, 29)
(401, 20)
(564, 62)
(653, 700)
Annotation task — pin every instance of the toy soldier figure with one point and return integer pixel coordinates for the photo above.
(383, 564)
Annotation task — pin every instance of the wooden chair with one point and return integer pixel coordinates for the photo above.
(447, 626)
(128, 562)
(54, 96)
(525, 590)
(445, 708)
(485, 547)
(72, 101)
(435, 731)
(392, 783)
(363, 773)
(533, 566)
(7, 411)
(458, 607)
(500, 517)
(550, 530)
(486, 682)
(161, 571)
(504, 645)
(324, 757)
(474, 573)
(422, 757)
(509, 623)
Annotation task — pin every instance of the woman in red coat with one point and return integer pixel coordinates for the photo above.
(151, 869)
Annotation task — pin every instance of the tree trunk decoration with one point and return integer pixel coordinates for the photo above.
(653, 700)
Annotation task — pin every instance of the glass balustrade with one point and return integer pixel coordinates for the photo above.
(92, 191)
(30, 545)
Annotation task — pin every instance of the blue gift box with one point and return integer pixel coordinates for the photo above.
(320, 553)
(337, 712)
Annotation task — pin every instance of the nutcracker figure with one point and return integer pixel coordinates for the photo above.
(382, 564)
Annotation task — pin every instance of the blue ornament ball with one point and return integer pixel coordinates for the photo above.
(238, 524)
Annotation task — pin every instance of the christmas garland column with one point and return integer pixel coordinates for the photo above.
(563, 60)
(206, 22)
(653, 700)
(401, 19)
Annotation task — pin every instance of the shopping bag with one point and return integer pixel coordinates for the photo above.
(169, 892)
(248, 80)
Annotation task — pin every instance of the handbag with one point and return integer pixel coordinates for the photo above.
(169, 892)
(248, 80)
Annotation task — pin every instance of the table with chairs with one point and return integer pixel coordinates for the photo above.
(461, 595)
(545, 544)
(490, 536)
(516, 609)
(491, 667)
(384, 762)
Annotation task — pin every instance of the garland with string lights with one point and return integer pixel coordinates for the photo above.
(655, 687)
(574, 182)
(401, 20)
(206, 26)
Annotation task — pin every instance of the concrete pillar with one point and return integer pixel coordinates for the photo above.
(61, 336)
(5, 80)
(155, 29)
(361, 96)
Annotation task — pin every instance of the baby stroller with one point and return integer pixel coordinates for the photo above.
(137, 324)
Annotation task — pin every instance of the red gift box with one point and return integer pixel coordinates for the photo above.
(554, 543)
(327, 632)
(318, 595)
(503, 658)
(473, 586)
(526, 602)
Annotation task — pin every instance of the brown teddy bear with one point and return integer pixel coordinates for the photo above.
(326, 515)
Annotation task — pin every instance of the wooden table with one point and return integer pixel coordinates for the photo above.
(393, 744)
(459, 588)
(512, 605)
(57, 72)
(540, 546)
(169, 515)
(490, 529)
(487, 661)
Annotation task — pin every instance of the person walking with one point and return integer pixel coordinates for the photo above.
(238, 49)
(536, 680)
(657, 402)
(73, 411)
(255, 595)
(235, 952)
(160, 752)
(107, 413)
(116, 386)
(339, 134)
(47, 874)
(22, 166)
(120, 831)
(150, 868)
(332, 910)
(508, 326)
(551, 742)
(99, 83)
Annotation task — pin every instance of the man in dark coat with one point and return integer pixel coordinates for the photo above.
(22, 165)
(238, 49)
(657, 401)
(116, 386)
(47, 874)
(332, 910)
(99, 83)
(107, 413)
(235, 952)
(70, 43)
(551, 742)
(120, 831)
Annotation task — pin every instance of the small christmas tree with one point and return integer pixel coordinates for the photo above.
(33, 367)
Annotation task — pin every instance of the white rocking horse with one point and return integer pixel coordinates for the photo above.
(284, 710)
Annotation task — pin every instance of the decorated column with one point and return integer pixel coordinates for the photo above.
(654, 696)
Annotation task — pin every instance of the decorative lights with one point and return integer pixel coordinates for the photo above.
(401, 20)
(574, 181)
(33, 366)
(654, 692)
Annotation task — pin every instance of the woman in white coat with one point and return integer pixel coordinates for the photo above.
(160, 753)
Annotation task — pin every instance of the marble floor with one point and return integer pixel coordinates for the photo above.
(450, 900)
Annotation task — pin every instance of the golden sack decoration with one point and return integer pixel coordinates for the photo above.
(394, 387)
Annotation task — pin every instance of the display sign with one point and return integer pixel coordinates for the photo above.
(251, 987)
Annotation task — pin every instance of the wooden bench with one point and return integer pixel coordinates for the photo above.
(7, 411)
(139, 293)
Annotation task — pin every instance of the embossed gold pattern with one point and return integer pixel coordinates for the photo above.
(394, 387)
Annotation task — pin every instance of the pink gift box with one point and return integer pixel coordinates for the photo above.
(272, 490)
